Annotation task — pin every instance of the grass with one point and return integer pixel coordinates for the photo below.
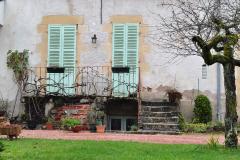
(36, 149)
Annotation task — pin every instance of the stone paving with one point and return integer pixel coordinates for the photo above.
(161, 139)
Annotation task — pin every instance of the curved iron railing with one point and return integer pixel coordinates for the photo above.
(84, 81)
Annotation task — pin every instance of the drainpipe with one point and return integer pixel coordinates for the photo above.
(101, 11)
(218, 73)
(219, 118)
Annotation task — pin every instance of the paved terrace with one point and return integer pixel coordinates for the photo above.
(161, 139)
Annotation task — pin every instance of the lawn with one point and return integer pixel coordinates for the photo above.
(36, 149)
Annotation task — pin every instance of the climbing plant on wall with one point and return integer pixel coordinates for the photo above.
(18, 62)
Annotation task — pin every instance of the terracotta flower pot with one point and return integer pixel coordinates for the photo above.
(49, 126)
(100, 128)
(77, 128)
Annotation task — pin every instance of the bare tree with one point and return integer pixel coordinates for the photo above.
(210, 29)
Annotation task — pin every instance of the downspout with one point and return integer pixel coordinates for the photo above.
(101, 11)
(219, 116)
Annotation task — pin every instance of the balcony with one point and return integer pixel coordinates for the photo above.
(82, 81)
(2, 3)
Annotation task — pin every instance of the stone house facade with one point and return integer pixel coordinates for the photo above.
(81, 49)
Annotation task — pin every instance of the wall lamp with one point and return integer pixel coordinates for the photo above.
(94, 39)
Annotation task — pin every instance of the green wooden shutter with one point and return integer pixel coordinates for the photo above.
(69, 46)
(118, 59)
(54, 45)
(118, 41)
(54, 57)
(132, 55)
(69, 57)
(125, 53)
(62, 53)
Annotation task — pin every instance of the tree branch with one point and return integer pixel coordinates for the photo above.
(210, 59)
(213, 43)
(236, 62)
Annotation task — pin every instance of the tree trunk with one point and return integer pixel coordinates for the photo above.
(231, 117)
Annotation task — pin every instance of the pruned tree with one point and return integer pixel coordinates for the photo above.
(210, 29)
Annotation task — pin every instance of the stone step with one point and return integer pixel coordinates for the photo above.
(158, 114)
(156, 103)
(173, 119)
(159, 108)
(161, 126)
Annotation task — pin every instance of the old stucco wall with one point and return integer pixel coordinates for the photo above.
(25, 27)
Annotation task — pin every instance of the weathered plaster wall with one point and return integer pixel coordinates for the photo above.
(25, 27)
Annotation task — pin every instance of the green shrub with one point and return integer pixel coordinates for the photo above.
(202, 110)
(1, 147)
(181, 122)
(196, 127)
(134, 128)
(218, 126)
(70, 122)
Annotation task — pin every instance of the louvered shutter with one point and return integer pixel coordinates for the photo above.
(132, 55)
(69, 46)
(125, 54)
(119, 57)
(62, 53)
(54, 45)
(54, 57)
(69, 57)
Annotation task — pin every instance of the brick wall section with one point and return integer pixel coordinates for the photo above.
(78, 111)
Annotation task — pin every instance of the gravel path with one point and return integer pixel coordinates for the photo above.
(162, 139)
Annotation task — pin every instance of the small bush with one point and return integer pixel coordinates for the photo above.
(134, 128)
(70, 122)
(202, 110)
(197, 127)
(181, 122)
(1, 147)
(218, 126)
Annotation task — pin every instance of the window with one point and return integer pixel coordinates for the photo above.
(204, 71)
(62, 53)
(125, 55)
(122, 123)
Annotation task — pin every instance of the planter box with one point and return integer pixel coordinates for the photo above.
(12, 130)
(76, 129)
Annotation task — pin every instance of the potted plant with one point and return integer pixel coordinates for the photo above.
(96, 116)
(174, 95)
(71, 124)
(100, 127)
(49, 124)
(91, 116)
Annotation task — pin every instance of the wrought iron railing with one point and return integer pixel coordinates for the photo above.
(82, 81)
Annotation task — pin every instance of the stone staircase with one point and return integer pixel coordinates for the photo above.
(159, 117)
